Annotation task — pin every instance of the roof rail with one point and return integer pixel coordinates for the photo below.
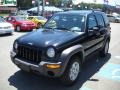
(95, 10)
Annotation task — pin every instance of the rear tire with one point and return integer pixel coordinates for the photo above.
(105, 49)
(116, 21)
(72, 71)
(39, 25)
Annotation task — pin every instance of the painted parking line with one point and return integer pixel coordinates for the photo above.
(110, 71)
(85, 88)
(117, 57)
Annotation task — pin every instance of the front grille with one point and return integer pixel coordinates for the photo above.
(29, 54)
(4, 27)
(30, 24)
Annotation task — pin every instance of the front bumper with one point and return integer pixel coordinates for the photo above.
(28, 27)
(41, 68)
(5, 31)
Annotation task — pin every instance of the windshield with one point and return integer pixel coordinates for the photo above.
(66, 22)
(41, 18)
(2, 20)
(20, 18)
(118, 16)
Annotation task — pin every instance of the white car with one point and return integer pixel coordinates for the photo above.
(5, 27)
(113, 18)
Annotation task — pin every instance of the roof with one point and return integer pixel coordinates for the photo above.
(80, 12)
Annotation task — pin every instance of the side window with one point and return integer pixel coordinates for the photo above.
(100, 20)
(91, 22)
(30, 18)
(9, 19)
(106, 19)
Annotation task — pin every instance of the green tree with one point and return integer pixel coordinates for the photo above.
(89, 6)
(24, 4)
(54, 2)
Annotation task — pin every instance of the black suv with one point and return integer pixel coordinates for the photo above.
(60, 47)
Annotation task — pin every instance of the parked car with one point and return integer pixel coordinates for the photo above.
(5, 27)
(20, 23)
(61, 46)
(38, 20)
(113, 18)
(13, 14)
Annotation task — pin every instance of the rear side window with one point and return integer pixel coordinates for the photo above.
(30, 18)
(109, 16)
(105, 19)
(9, 18)
(100, 20)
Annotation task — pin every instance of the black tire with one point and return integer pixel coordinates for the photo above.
(39, 25)
(65, 78)
(116, 21)
(18, 28)
(105, 49)
(10, 34)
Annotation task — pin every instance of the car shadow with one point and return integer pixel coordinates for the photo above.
(24, 31)
(28, 81)
(5, 35)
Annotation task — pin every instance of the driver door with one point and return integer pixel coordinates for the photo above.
(92, 42)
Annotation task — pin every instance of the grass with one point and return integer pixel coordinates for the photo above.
(4, 14)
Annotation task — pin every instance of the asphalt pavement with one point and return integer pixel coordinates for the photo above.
(97, 73)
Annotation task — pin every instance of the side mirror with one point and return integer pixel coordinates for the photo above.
(94, 31)
(95, 28)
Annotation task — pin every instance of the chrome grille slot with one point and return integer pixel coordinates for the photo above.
(29, 54)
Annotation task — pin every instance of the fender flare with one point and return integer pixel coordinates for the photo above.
(67, 54)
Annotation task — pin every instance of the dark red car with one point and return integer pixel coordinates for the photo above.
(20, 23)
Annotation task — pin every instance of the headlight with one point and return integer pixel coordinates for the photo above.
(50, 52)
(15, 45)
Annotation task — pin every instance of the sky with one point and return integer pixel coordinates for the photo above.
(111, 2)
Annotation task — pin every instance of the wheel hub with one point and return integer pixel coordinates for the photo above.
(74, 71)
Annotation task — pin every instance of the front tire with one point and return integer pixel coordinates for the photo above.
(72, 71)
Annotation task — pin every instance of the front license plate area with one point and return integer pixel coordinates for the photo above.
(22, 66)
(25, 67)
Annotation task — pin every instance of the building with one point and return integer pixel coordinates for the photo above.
(8, 6)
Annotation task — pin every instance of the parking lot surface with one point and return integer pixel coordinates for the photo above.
(97, 73)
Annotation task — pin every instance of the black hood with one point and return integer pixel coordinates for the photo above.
(44, 38)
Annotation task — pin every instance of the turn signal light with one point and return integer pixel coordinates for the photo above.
(53, 66)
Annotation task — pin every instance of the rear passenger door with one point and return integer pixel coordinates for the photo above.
(111, 18)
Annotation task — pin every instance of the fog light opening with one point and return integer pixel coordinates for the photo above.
(50, 73)
(53, 66)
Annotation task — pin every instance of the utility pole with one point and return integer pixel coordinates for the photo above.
(38, 7)
(43, 7)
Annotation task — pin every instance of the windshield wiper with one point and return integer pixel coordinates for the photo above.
(48, 28)
(62, 28)
(76, 30)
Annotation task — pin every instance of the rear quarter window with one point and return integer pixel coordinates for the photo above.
(106, 19)
(100, 20)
